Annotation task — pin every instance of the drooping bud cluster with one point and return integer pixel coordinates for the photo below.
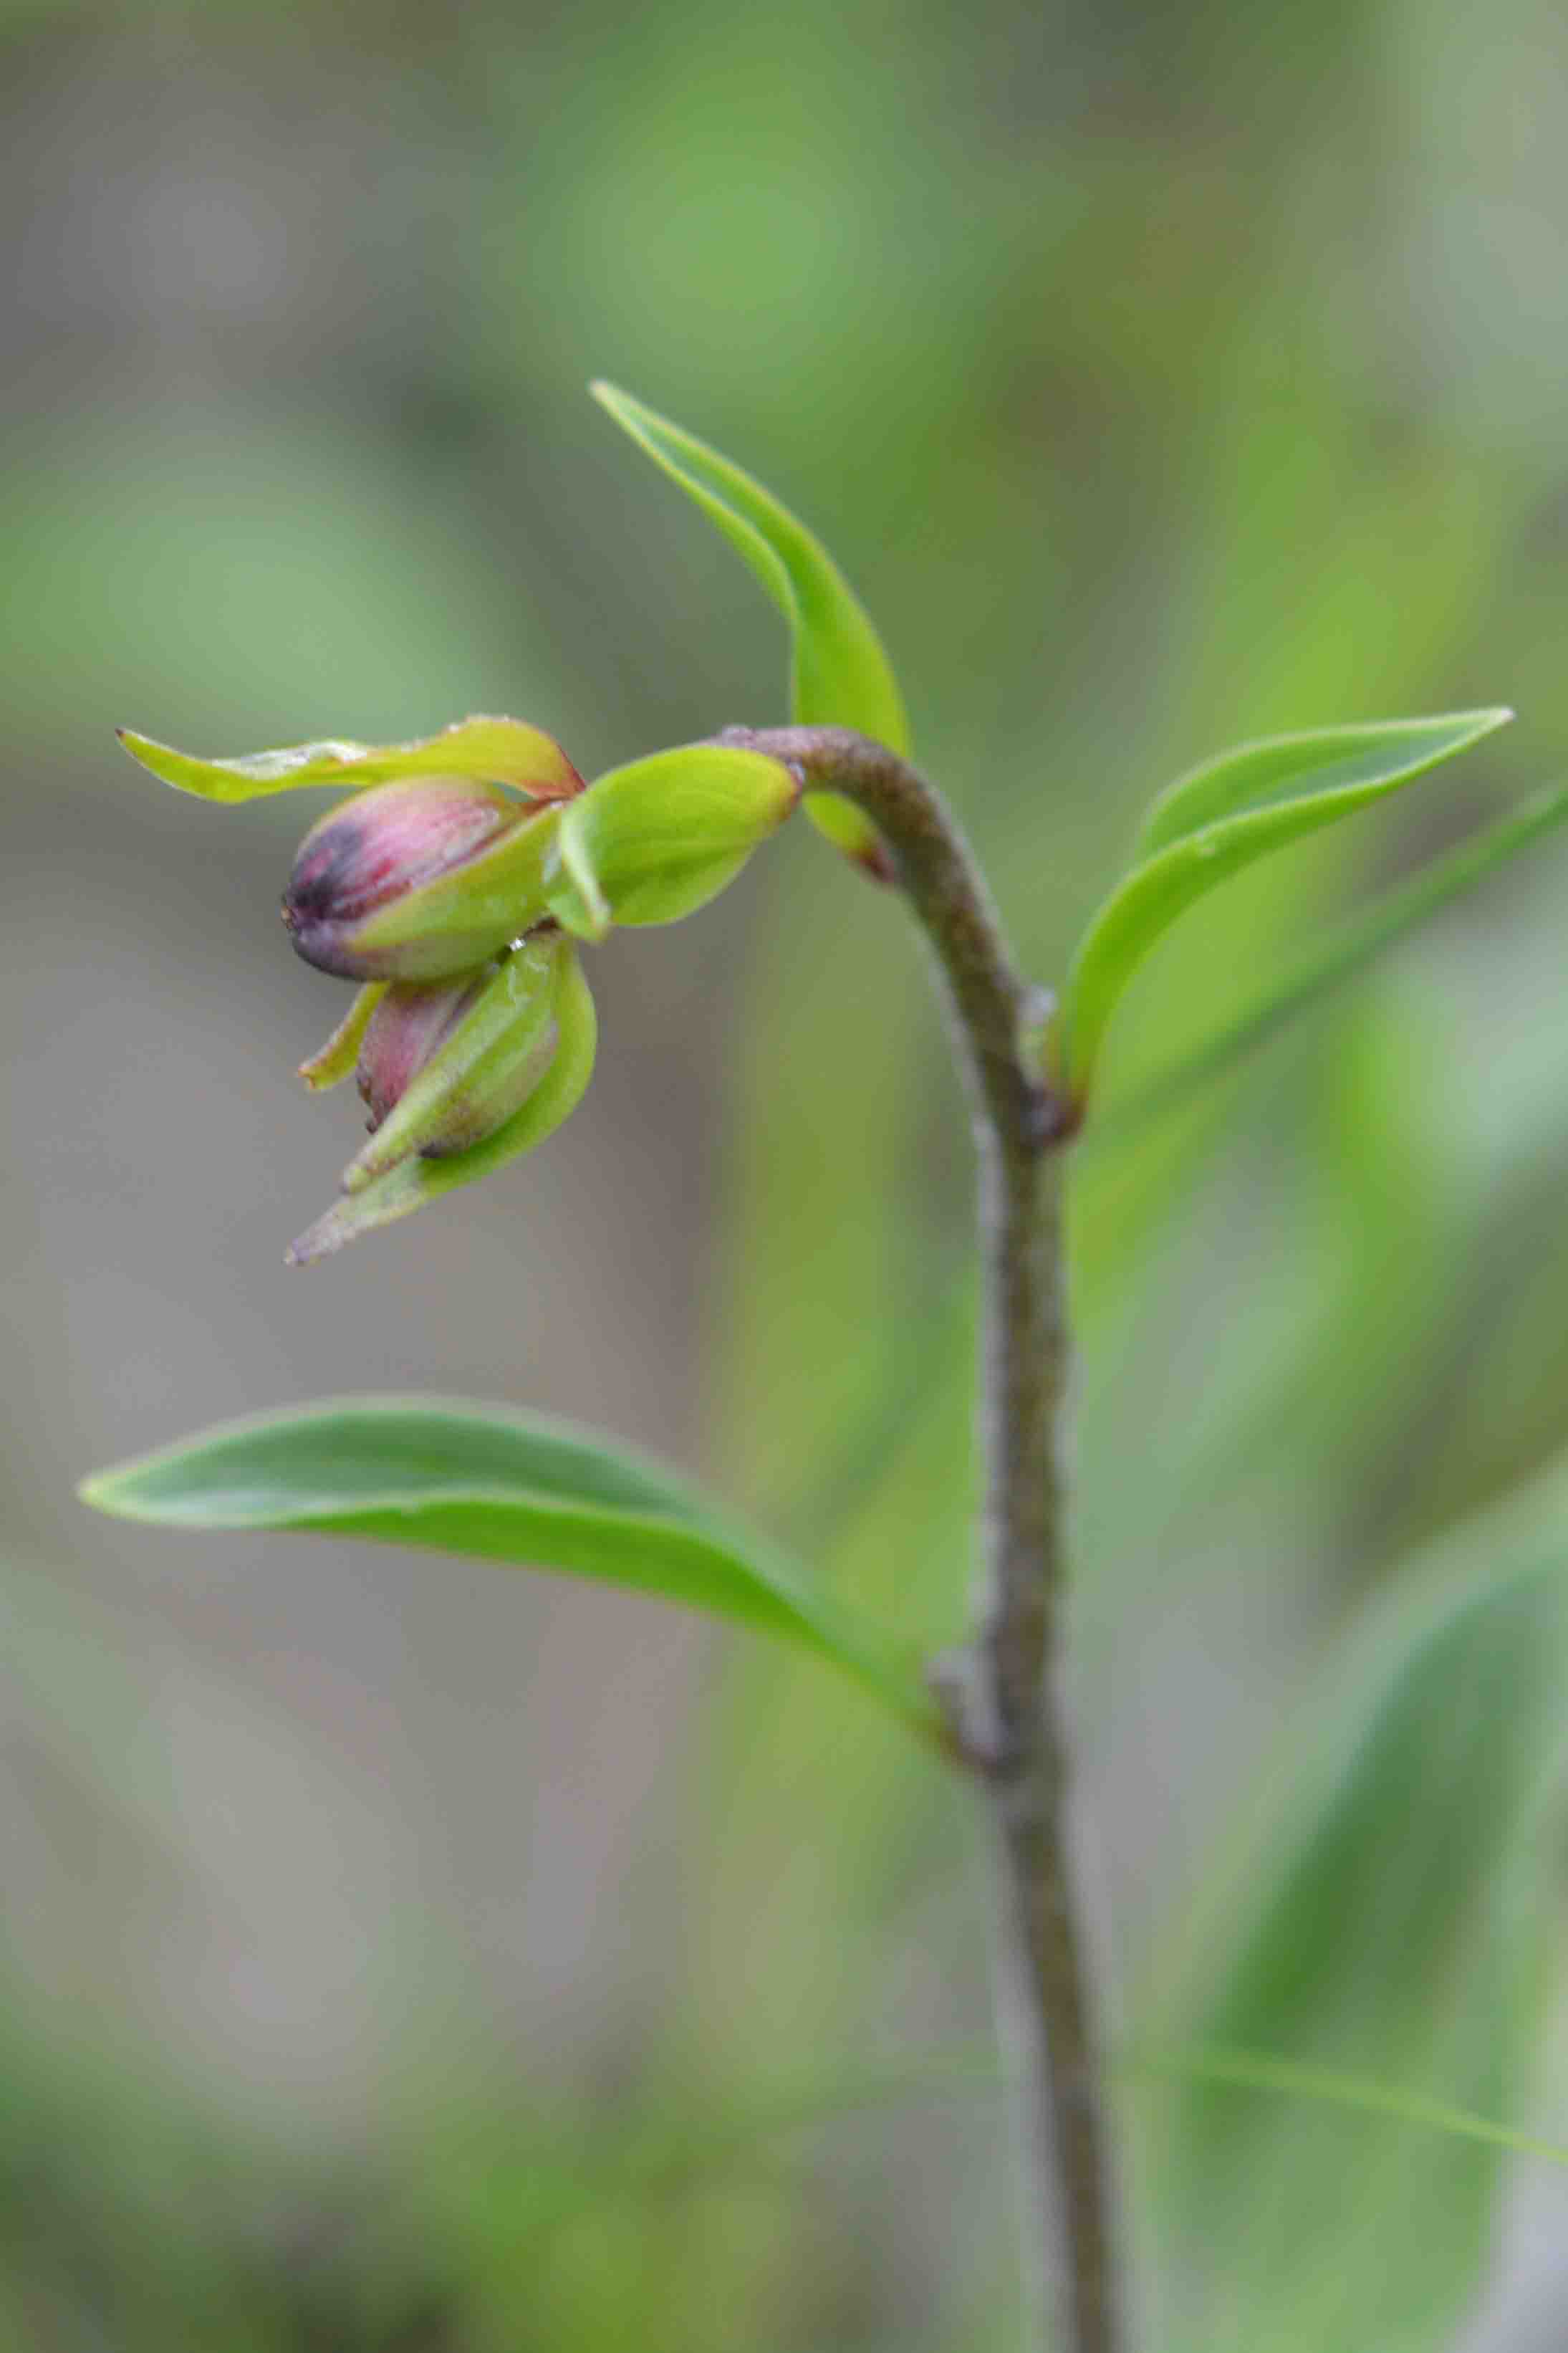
(457, 1076)
(454, 903)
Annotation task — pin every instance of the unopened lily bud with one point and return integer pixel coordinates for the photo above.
(419, 880)
(444, 1064)
(526, 1038)
(410, 1020)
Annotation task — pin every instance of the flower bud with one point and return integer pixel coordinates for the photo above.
(527, 1037)
(419, 880)
(444, 1063)
(411, 1019)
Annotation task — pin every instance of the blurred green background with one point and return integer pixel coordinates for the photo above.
(403, 1954)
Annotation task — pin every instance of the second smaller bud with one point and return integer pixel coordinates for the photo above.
(444, 1064)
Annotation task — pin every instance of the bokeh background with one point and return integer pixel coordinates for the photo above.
(400, 1953)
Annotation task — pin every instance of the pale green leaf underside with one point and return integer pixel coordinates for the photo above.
(839, 674)
(1215, 822)
(1385, 1924)
(500, 1486)
(498, 751)
(1349, 949)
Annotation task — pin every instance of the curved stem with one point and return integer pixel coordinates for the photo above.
(1003, 1703)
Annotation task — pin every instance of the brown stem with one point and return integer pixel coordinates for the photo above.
(1004, 1709)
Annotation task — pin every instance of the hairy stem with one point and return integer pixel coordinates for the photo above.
(1002, 1697)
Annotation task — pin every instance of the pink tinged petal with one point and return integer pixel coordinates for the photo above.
(456, 922)
(380, 847)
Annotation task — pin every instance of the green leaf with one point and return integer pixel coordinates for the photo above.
(1388, 1922)
(839, 674)
(504, 1486)
(1257, 2070)
(499, 751)
(1348, 950)
(656, 839)
(1214, 822)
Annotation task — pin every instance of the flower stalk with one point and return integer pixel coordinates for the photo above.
(455, 886)
(1000, 1693)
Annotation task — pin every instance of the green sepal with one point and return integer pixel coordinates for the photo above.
(501, 1045)
(499, 751)
(337, 1058)
(839, 674)
(577, 898)
(416, 1180)
(652, 841)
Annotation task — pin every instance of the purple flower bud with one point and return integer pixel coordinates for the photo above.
(376, 852)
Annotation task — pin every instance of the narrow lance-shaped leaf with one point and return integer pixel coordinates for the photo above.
(1387, 1924)
(499, 1486)
(1217, 821)
(1349, 949)
(499, 751)
(839, 674)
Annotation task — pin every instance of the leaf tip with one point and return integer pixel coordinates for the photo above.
(161, 760)
(94, 1491)
(317, 1241)
(106, 1492)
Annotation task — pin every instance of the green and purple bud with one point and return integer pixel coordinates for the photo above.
(448, 885)
(419, 880)
(458, 1077)
(409, 1021)
(444, 1063)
